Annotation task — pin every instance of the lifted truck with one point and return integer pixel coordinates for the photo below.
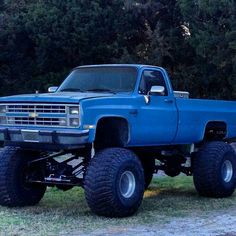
(108, 129)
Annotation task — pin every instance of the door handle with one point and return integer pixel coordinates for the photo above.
(134, 112)
(168, 100)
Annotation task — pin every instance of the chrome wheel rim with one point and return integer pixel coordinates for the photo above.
(227, 171)
(127, 184)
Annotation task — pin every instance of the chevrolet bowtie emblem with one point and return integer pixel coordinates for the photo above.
(33, 115)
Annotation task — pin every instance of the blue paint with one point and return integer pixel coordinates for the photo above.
(166, 120)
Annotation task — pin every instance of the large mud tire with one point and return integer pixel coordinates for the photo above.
(214, 170)
(14, 190)
(114, 183)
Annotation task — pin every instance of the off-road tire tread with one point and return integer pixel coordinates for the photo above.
(205, 166)
(9, 194)
(98, 182)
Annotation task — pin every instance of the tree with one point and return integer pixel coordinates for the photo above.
(213, 29)
(41, 40)
(169, 45)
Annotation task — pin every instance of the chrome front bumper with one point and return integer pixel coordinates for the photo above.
(44, 139)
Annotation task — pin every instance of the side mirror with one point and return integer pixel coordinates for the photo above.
(52, 89)
(157, 90)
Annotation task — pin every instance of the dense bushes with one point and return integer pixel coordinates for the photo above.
(41, 40)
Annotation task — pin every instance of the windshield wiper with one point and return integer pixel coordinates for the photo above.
(71, 90)
(100, 90)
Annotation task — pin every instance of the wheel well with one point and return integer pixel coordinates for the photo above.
(215, 130)
(111, 132)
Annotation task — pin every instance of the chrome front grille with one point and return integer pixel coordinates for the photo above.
(37, 108)
(33, 121)
(46, 115)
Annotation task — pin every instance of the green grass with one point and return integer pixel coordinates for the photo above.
(67, 212)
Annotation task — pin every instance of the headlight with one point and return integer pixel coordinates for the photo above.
(11, 120)
(74, 113)
(63, 122)
(74, 110)
(3, 120)
(74, 122)
(3, 109)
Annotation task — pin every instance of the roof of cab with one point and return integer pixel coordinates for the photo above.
(138, 66)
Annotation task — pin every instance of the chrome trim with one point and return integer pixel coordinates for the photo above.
(227, 171)
(38, 114)
(24, 134)
(127, 184)
(89, 126)
(181, 94)
(35, 108)
(52, 89)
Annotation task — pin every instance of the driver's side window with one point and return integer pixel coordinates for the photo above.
(151, 78)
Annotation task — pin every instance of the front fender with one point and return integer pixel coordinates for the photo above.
(94, 110)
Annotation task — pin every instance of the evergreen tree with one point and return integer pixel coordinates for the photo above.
(213, 29)
(41, 40)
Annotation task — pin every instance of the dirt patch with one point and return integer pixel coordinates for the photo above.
(217, 223)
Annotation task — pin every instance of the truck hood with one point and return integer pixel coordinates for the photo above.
(60, 97)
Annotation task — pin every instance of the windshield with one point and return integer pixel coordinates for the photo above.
(100, 79)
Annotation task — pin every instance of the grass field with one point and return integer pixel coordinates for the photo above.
(67, 212)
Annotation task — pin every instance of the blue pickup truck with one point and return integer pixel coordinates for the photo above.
(108, 129)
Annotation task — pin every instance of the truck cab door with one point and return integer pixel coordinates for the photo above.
(156, 121)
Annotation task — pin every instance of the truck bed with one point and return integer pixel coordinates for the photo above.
(195, 114)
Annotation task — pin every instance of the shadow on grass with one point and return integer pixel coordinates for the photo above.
(61, 212)
(169, 196)
(178, 197)
(165, 197)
